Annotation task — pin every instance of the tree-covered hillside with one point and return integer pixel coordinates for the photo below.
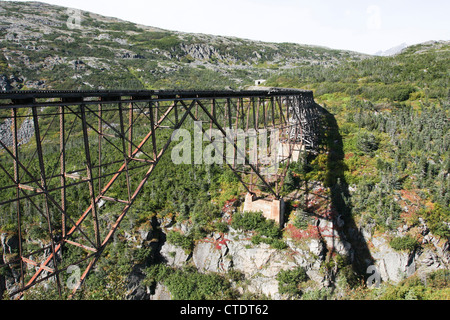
(393, 115)
(420, 71)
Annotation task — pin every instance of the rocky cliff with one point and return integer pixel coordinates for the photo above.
(327, 250)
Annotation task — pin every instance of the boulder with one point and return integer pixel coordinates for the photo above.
(390, 264)
(173, 256)
(161, 293)
(207, 257)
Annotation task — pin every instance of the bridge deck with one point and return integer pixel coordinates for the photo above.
(17, 99)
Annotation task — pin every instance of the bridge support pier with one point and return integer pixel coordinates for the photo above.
(290, 150)
(271, 209)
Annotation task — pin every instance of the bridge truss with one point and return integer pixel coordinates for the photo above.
(118, 138)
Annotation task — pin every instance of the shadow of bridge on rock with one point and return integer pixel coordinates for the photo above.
(338, 198)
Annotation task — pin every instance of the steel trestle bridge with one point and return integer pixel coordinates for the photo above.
(118, 138)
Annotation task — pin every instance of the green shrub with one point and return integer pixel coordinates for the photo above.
(157, 273)
(302, 221)
(406, 243)
(399, 92)
(289, 280)
(267, 230)
(188, 284)
(435, 287)
(439, 279)
(180, 240)
(143, 254)
(436, 218)
(289, 182)
(367, 142)
(317, 294)
(222, 227)
(409, 289)
(249, 221)
(235, 275)
(278, 244)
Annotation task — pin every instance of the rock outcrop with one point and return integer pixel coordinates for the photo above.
(260, 264)
(24, 133)
(5, 84)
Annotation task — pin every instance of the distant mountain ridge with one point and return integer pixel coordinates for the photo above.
(392, 51)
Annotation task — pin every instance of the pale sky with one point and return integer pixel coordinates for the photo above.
(358, 25)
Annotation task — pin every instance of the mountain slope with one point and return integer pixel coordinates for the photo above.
(418, 71)
(39, 50)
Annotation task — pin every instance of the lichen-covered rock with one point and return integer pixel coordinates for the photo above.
(172, 255)
(207, 257)
(390, 264)
(259, 263)
(161, 293)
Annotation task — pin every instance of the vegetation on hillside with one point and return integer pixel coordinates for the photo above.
(393, 116)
